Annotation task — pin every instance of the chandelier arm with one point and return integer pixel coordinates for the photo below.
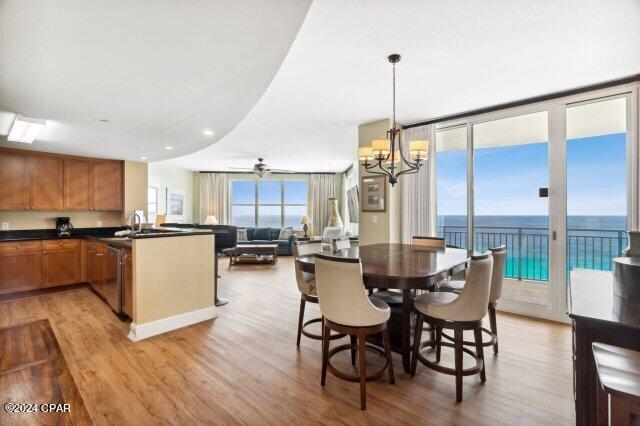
(383, 171)
(407, 162)
(409, 171)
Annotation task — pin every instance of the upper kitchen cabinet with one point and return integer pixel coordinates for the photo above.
(40, 181)
(107, 185)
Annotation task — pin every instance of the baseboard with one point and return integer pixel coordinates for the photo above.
(143, 331)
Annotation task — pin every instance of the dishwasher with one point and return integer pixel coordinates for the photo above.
(111, 288)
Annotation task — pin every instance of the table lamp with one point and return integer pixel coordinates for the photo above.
(211, 220)
(160, 219)
(305, 221)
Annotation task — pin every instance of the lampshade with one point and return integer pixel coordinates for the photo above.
(380, 146)
(365, 153)
(419, 149)
(304, 220)
(160, 219)
(211, 220)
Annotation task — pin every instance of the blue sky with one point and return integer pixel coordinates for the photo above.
(507, 178)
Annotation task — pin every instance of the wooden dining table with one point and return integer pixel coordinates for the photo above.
(403, 267)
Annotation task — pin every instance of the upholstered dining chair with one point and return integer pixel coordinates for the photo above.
(347, 309)
(428, 242)
(341, 243)
(445, 310)
(499, 258)
(307, 286)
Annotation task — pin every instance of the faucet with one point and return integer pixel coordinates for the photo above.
(134, 215)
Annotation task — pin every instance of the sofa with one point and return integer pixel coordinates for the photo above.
(269, 236)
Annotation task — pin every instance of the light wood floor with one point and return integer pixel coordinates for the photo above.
(244, 366)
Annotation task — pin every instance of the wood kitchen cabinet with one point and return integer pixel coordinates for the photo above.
(127, 282)
(60, 262)
(20, 266)
(42, 181)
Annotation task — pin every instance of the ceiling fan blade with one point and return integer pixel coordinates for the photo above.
(281, 171)
(241, 168)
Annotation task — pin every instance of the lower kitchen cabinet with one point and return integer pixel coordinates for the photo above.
(60, 262)
(127, 282)
(20, 266)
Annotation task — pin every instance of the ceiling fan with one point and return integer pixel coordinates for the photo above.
(261, 169)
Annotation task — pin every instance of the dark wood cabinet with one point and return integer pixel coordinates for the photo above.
(127, 282)
(42, 181)
(20, 268)
(60, 262)
(96, 264)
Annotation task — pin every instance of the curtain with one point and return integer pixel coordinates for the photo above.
(321, 188)
(214, 195)
(418, 189)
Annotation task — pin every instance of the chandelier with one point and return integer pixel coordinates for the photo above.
(385, 156)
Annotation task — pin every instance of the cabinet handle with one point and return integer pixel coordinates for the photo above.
(60, 244)
(44, 252)
(17, 246)
(99, 254)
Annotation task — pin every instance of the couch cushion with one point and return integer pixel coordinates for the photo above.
(260, 242)
(262, 234)
(250, 232)
(281, 242)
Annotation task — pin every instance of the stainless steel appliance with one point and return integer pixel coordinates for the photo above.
(64, 226)
(626, 278)
(110, 284)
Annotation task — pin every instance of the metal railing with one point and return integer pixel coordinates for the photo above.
(528, 248)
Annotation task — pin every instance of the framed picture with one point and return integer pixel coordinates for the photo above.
(175, 205)
(374, 193)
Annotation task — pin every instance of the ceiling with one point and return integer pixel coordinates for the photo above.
(158, 71)
(161, 71)
(456, 56)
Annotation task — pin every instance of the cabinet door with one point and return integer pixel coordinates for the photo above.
(15, 182)
(19, 272)
(60, 267)
(47, 183)
(77, 185)
(107, 185)
(127, 283)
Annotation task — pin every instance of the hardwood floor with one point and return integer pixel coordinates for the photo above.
(244, 367)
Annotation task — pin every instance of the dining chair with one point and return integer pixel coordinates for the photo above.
(455, 286)
(341, 243)
(307, 286)
(446, 310)
(428, 242)
(347, 309)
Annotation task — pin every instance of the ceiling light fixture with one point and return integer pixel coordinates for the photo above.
(143, 158)
(25, 129)
(207, 132)
(385, 156)
(168, 147)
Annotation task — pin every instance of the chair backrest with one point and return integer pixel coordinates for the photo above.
(499, 258)
(341, 243)
(223, 240)
(430, 242)
(302, 248)
(331, 232)
(474, 297)
(341, 292)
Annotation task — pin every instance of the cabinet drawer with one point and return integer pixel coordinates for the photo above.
(18, 247)
(60, 244)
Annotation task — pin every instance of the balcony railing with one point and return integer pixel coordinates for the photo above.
(528, 248)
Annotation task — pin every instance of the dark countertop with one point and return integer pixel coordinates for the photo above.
(591, 297)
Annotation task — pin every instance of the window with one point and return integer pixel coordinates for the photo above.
(152, 203)
(268, 203)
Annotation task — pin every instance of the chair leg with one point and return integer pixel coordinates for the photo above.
(354, 344)
(457, 337)
(480, 352)
(362, 356)
(438, 343)
(494, 327)
(417, 335)
(386, 341)
(300, 321)
(326, 333)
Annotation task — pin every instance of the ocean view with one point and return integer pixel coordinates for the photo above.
(592, 241)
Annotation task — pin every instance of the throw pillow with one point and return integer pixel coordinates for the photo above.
(285, 233)
(242, 234)
(262, 234)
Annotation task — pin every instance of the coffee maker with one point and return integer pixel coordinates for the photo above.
(64, 226)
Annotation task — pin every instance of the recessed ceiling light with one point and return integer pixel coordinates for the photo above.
(104, 120)
(168, 147)
(25, 129)
(207, 132)
(143, 158)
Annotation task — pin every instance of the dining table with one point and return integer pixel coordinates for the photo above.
(403, 267)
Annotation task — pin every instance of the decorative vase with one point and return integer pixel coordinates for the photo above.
(335, 220)
(633, 245)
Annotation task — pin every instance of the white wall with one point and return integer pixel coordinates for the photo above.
(163, 175)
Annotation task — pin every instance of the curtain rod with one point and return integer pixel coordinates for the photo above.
(527, 101)
(251, 173)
